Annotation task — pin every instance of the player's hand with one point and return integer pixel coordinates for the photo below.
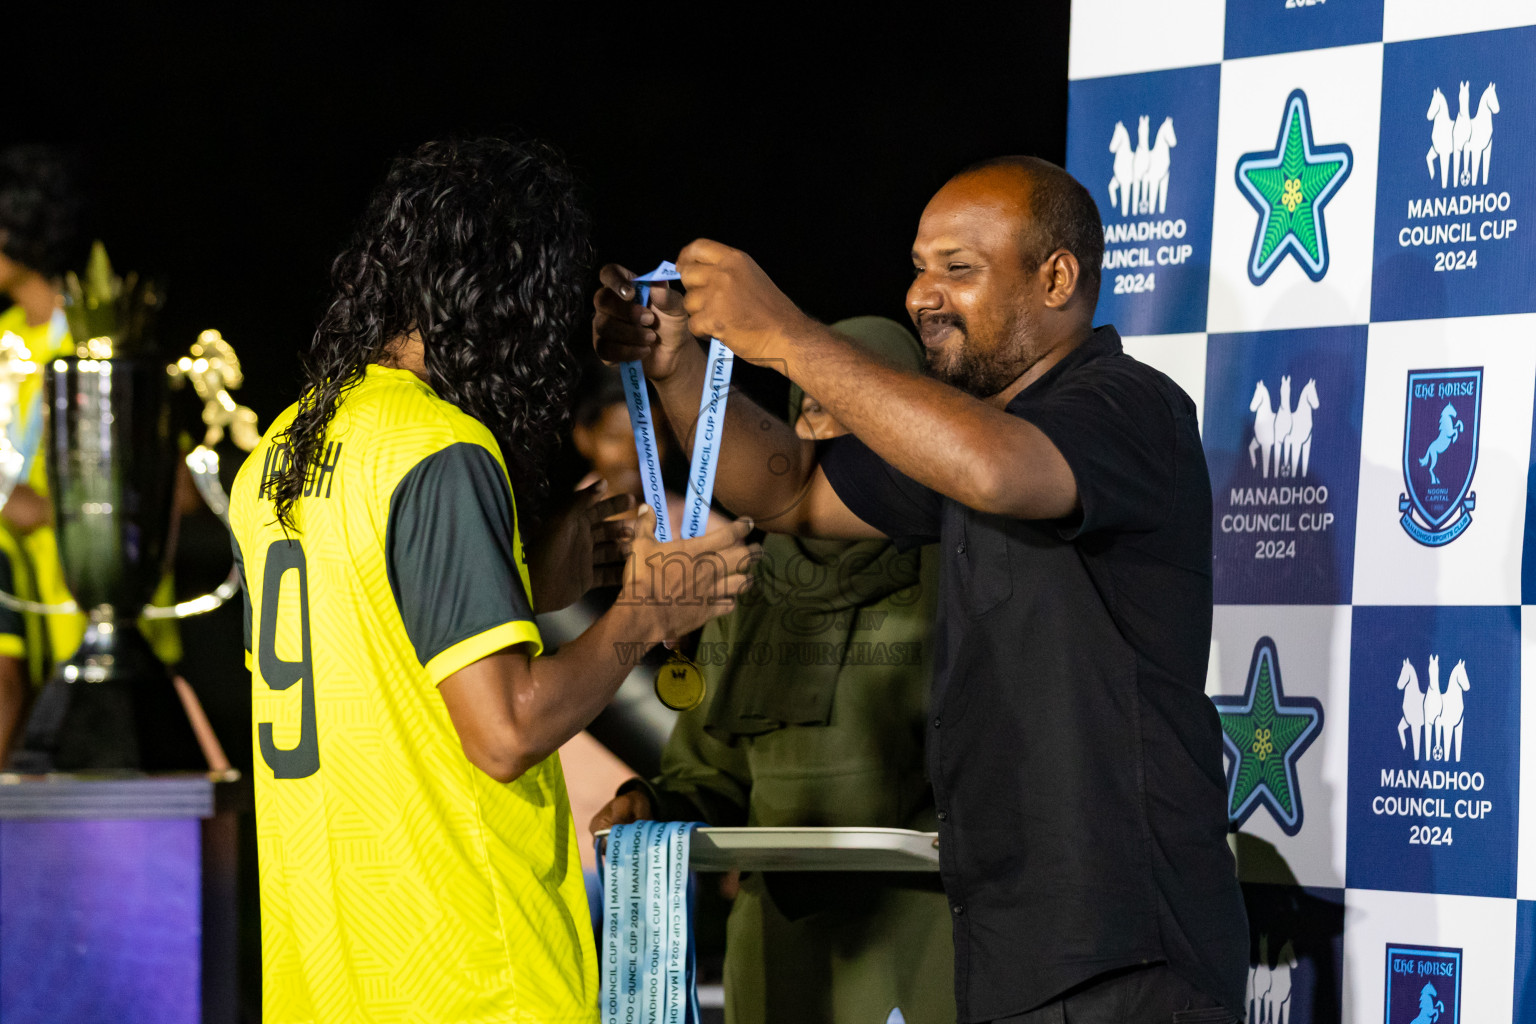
(675, 588)
(624, 809)
(730, 298)
(26, 510)
(656, 334)
(582, 547)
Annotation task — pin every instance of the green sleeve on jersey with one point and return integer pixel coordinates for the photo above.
(245, 593)
(449, 548)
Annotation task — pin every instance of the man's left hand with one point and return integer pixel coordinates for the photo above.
(580, 548)
(730, 298)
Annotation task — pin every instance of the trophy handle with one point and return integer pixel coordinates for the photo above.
(215, 598)
(204, 464)
(203, 461)
(19, 604)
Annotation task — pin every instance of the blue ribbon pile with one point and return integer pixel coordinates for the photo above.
(647, 964)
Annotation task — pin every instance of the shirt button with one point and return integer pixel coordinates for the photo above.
(936, 720)
(943, 815)
(958, 908)
(960, 548)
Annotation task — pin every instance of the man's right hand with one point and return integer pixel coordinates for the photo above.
(715, 569)
(624, 809)
(656, 334)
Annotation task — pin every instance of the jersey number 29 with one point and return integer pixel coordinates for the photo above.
(302, 760)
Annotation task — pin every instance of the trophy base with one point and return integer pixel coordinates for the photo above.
(111, 707)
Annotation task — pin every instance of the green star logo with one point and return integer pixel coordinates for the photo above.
(1289, 187)
(1265, 733)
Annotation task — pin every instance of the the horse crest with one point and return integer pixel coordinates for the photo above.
(1423, 985)
(1440, 453)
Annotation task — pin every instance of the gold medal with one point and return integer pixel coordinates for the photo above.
(680, 683)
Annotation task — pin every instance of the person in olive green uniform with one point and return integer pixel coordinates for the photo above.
(818, 686)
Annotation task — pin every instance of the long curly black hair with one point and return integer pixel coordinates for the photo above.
(479, 246)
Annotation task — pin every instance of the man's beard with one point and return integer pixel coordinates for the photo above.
(982, 374)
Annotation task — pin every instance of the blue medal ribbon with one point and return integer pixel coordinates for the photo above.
(706, 437)
(648, 964)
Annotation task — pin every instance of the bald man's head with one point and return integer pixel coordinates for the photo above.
(1058, 214)
(1005, 272)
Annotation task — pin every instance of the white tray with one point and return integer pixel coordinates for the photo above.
(812, 849)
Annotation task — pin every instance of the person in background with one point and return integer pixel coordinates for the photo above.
(828, 732)
(603, 436)
(1075, 758)
(43, 236)
(417, 855)
(600, 431)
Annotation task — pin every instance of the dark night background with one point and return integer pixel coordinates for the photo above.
(231, 146)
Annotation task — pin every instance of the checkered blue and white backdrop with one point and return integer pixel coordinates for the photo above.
(1320, 219)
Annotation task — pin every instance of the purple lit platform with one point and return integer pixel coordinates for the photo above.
(117, 900)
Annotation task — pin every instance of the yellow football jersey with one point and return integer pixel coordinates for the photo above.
(398, 881)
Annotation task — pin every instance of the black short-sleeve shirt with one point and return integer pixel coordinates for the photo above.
(1075, 758)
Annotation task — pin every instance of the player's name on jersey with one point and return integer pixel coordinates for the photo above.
(317, 482)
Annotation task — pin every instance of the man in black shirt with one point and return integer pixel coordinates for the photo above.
(1075, 758)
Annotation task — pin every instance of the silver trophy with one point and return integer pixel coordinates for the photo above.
(112, 463)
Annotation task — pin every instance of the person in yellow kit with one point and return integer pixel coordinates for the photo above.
(42, 237)
(417, 855)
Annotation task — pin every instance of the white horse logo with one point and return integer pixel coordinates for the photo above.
(1435, 714)
(1453, 710)
(1263, 427)
(1154, 187)
(1285, 431)
(1125, 159)
(1461, 131)
(1413, 707)
(1439, 136)
(1140, 181)
(1464, 146)
(1139, 166)
(1451, 429)
(1298, 440)
(1269, 988)
(1479, 149)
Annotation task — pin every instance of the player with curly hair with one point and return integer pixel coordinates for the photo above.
(417, 854)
